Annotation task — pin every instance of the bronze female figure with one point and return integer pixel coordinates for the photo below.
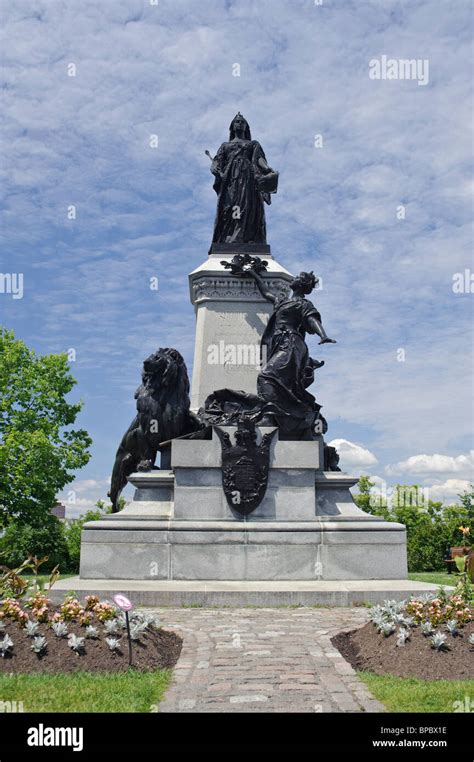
(243, 181)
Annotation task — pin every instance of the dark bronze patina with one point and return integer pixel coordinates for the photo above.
(243, 182)
(245, 466)
(282, 398)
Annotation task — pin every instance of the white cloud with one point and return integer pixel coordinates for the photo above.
(448, 491)
(88, 485)
(377, 480)
(79, 507)
(435, 464)
(353, 455)
(82, 495)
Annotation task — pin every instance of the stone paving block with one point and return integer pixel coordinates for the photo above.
(186, 704)
(248, 698)
(220, 688)
(250, 686)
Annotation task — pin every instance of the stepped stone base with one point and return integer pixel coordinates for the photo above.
(140, 548)
(257, 593)
(180, 527)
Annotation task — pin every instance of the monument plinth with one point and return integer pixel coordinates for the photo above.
(231, 316)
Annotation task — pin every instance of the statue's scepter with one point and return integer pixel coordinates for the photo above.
(216, 172)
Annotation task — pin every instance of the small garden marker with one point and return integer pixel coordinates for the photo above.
(125, 605)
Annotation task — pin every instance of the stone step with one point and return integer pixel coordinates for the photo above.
(251, 593)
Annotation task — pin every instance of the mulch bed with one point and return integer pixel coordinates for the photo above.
(156, 649)
(368, 650)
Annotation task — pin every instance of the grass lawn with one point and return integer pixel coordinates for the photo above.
(43, 579)
(402, 694)
(87, 691)
(436, 578)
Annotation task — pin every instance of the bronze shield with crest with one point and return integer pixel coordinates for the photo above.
(245, 466)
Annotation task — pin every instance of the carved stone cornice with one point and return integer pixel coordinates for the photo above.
(227, 287)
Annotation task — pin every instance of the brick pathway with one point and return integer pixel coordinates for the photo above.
(267, 660)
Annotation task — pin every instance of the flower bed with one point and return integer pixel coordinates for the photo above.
(429, 637)
(36, 636)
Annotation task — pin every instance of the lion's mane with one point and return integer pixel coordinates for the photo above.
(162, 414)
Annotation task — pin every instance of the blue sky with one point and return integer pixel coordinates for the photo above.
(167, 69)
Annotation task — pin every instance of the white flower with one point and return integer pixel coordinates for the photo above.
(59, 629)
(113, 643)
(403, 636)
(112, 626)
(39, 644)
(76, 643)
(426, 628)
(438, 641)
(6, 644)
(31, 628)
(452, 627)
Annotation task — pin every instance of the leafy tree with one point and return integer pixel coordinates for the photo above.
(467, 501)
(368, 501)
(362, 499)
(37, 450)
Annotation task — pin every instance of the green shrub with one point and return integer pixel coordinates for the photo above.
(432, 528)
(430, 532)
(73, 537)
(46, 539)
(74, 531)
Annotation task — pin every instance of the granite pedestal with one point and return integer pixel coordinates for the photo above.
(180, 527)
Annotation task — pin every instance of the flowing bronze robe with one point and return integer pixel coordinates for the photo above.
(243, 181)
(282, 384)
(288, 369)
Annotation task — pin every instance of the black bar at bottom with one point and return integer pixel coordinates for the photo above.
(30, 735)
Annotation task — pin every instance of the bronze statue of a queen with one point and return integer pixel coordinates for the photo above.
(243, 182)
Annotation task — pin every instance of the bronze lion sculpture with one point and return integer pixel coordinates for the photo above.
(162, 414)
